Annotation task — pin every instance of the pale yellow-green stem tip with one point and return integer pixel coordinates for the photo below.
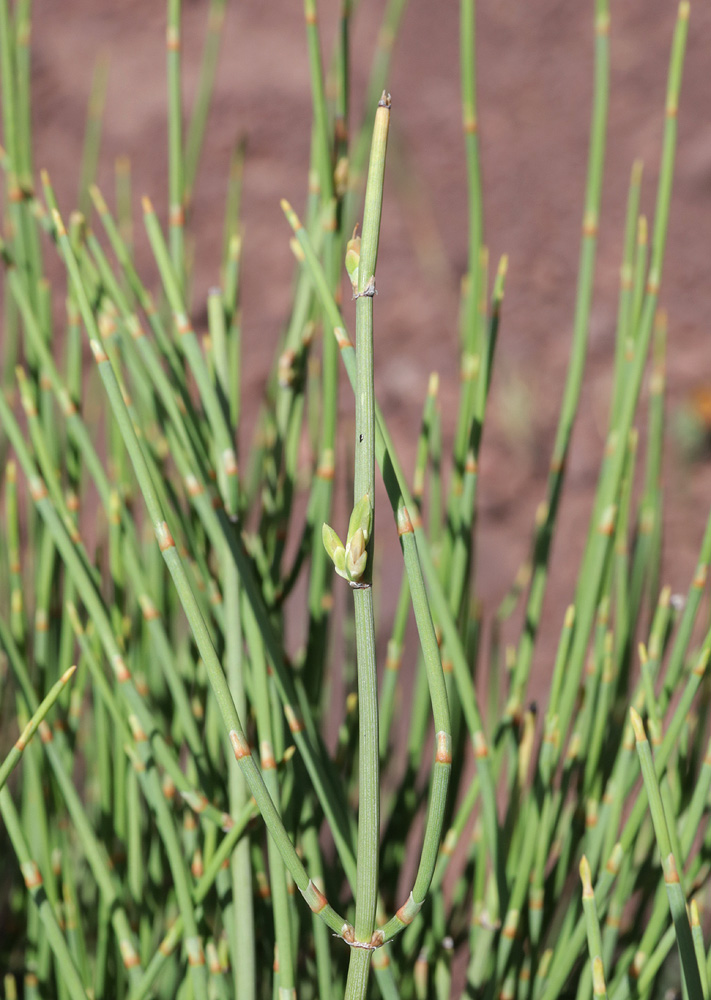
(638, 726)
(58, 224)
(586, 878)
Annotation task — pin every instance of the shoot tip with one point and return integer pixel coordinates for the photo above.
(638, 726)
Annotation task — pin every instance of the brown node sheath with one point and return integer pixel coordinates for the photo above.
(137, 729)
(98, 351)
(409, 910)
(326, 467)
(263, 886)
(510, 925)
(394, 656)
(590, 224)
(640, 957)
(535, 899)
(607, 523)
(444, 748)
(166, 946)
(481, 750)
(602, 25)
(700, 665)
(38, 491)
(197, 802)
(342, 338)
(615, 859)
(176, 215)
(404, 524)
(120, 669)
(239, 745)
(141, 685)
(314, 897)
(377, 940)
(449, 843)
(293, 718)
(229, 462)
(192, 485)
(165, 539)
(197, 867)
(129, 955)
(183, 325)
(172, 39)
(148, 608)
(196, 956)
(213, 959)
(266, 754)
(31, 875)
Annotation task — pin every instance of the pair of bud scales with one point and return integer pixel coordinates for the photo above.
(350, 559)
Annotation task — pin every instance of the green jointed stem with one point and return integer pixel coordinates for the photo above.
(13, 758)
(364, 487)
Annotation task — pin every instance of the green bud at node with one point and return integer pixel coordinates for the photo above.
(335, 549)
(356, 556)
(353, 259)
(362, 517)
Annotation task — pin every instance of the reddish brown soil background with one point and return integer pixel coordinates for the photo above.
(535, 79)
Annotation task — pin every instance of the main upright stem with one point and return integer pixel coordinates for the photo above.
(364, 485)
